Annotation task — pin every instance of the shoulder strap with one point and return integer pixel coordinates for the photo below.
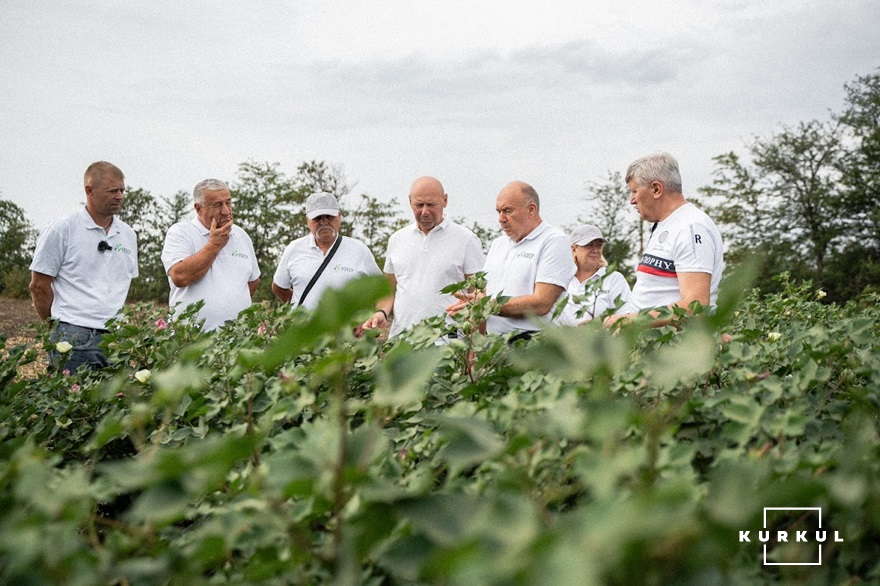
(321, 268)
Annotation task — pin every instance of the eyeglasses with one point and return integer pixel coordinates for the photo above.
(103, 245)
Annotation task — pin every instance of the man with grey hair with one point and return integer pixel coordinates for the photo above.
(82, 268)
(209, 258)
(682, 261)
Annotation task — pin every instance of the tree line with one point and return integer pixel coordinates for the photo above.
(805, 199)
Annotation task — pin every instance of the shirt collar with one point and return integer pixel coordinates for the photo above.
(441, 226)
(90, 224)
(539, 229)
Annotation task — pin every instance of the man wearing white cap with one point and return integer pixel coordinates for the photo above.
(591, 291)
(209, 258)
(323, 258)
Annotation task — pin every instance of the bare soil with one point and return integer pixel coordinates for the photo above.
(18, 321)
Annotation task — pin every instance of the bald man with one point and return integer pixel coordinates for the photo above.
(530, 263)
(423, 258)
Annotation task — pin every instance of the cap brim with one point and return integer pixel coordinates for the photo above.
(324, 212)
(585, 241)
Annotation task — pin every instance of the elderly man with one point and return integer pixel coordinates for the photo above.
(209, 258)
(322, 259)
(531, 264)
(682, 262)
(423, 258)
(82, 268)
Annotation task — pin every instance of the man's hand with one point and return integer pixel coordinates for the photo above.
(376, 321)
(463, 300)
(613, 319)
(219, 236)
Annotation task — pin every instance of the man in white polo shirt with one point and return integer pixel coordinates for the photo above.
(423, 258)
(683, 260)
(209, 258)
(531, 264)
(82, 268)
(322, 259)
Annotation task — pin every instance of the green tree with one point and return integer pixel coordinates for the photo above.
(373, 222)
(788, 204)
(268, 205)
(17, 239)
(857, 266)
(608, 208)
(150, 218)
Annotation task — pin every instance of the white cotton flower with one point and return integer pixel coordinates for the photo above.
(143, 375)
(64, 346)
(820, 294)
(773, 336)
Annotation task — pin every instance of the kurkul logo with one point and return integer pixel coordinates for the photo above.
(775, 538)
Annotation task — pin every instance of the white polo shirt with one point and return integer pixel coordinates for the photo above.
(686, 242)
(513, 268)
(225, 286)
(423, 264)
(301, 260)
(89, 287)
(604, 293)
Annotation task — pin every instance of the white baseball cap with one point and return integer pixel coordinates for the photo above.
(321, 204)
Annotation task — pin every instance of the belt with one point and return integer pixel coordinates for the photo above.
(92, 330)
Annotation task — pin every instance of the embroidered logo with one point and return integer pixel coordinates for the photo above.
(663, 237)
(526, 255)
(239, 254)
(121, 248)
(341, 269)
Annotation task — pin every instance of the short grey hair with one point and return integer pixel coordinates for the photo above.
(660, 167)
(207, 185)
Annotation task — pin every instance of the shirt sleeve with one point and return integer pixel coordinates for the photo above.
(177, 247)
(695, 250)
(255, 266)
(556, 267)
(50, 251)
(474, 259)
(282, 275)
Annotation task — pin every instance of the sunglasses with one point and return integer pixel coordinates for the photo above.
(103, 245)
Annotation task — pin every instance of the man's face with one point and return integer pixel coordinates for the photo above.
(325, 228)
(427, 206)
(106, 193)
(642, 197)
(216, 205)
(515, 216)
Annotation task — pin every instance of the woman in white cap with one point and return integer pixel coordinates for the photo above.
(591, 291)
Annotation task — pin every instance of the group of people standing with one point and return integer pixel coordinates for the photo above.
(84, 262)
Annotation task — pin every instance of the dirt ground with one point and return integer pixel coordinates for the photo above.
(18, 321)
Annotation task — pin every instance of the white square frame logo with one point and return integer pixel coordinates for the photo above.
(818, 510)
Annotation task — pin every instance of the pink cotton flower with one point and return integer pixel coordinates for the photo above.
(74, 388)
(261, 330)
(65, 372)
(161, 324)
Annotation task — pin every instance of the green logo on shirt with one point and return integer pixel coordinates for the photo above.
(121, 248)
(526, 255)
(238, 254)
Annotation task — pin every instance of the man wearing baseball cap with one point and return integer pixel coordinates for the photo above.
(323, 258)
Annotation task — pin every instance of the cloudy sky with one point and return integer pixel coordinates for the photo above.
(476, 93)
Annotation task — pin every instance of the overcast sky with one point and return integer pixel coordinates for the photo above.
(476, 93)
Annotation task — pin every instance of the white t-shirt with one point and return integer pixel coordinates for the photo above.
(423, 264)
(513, 269)
(301, 260)
(225, 286)
(686, 242)
(604, 292)
(89, 286)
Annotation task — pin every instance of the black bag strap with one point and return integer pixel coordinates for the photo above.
(321, 268)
